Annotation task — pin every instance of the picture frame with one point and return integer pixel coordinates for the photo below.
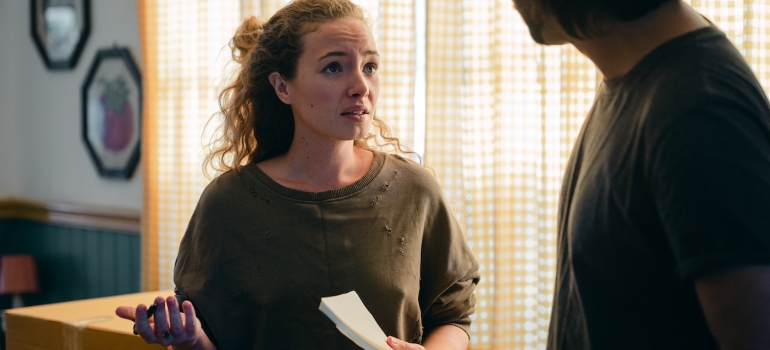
(112, 113)
(60, 29)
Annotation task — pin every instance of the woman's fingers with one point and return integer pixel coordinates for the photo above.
(127, 312)
(175, 319)
(142, 326)
(161, 322)
(189, 317)
(398, 344)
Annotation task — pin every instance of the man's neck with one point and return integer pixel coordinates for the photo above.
(624, 44)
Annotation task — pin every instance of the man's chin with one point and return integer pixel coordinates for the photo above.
(538, 36)
(535, 30)
(539, 33)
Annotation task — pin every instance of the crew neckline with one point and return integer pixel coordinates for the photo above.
(659, 53)
(374, 170)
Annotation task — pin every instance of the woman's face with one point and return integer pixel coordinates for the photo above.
(335, 90)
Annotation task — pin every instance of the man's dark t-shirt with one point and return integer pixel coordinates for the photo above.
(669, 179)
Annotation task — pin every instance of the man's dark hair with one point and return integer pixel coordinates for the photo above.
(578, 17)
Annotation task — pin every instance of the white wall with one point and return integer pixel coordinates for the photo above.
(9, 180)
(42, 156)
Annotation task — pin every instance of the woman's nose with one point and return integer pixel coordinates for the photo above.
(359, 85)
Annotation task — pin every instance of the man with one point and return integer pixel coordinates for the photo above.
(664, 229)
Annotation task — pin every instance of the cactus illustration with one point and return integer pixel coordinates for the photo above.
(118, 114)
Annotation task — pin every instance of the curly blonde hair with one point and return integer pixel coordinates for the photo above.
(255, 124)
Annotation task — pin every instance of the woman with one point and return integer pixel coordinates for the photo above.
(314, 211)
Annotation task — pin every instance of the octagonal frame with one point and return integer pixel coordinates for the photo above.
(60, 29)
(111, 103)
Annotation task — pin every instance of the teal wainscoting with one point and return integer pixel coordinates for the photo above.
(73, 262)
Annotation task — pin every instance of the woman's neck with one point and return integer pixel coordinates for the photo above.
(315, 168)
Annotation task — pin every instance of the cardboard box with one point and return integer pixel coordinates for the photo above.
(77, 325)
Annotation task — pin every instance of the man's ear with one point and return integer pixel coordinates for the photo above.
(279, 85)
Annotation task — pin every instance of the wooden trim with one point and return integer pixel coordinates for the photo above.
(72, 214)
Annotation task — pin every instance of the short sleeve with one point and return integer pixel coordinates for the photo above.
(449, 273)
(710, 176)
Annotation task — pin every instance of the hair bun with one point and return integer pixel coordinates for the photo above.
(246, 37)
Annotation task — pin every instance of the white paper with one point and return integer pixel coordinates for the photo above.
(354, 320)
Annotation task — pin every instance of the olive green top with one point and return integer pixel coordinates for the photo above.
(257, 257)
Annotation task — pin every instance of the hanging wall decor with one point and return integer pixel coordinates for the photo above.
(112, 113)
(60, 29)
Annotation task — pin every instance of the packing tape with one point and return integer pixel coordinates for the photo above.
(73, 330)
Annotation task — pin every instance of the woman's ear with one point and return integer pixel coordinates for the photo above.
(279, 85)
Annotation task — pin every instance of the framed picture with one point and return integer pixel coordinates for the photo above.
(60, 29)
(112, 113)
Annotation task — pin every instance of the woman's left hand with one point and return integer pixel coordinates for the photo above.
(398, 344)
(445, 337)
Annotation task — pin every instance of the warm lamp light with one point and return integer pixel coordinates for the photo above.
(18, 275)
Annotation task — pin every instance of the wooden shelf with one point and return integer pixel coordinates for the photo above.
(72, 214)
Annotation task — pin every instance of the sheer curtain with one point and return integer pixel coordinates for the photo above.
(185, 52)
(493, 114)
(502, 114)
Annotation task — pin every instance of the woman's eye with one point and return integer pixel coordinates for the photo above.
(370, 68)
(332, 68)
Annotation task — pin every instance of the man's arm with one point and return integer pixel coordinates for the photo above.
(736, 303)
